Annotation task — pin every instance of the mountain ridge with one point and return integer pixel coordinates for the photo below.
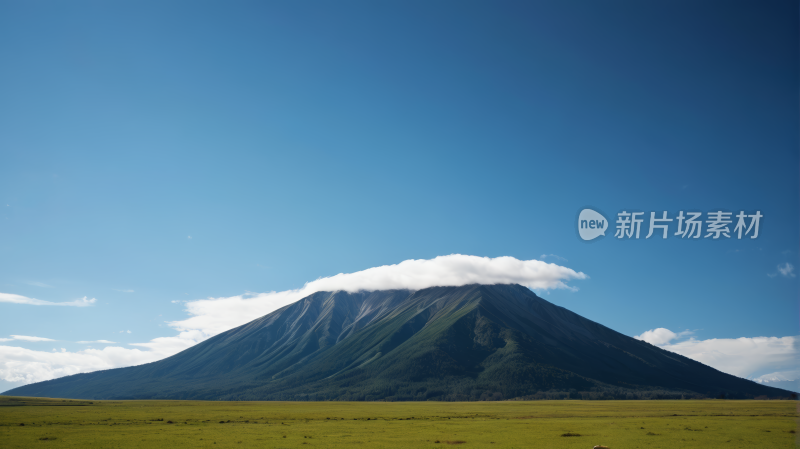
(441, 343)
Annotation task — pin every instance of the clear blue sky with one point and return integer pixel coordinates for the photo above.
(294, 140)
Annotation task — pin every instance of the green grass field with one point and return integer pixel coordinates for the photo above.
(539, 424)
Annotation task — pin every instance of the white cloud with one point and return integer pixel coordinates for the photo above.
(124, 291)
(657, 337)
(214, 315)
(28, 366)
(660, 336)
(209, 317)
(174, 345)
(19, 299)
(452, 270)
(26, 338)
(743, 357)
(107, 342)
(786, 270)
(780, 376)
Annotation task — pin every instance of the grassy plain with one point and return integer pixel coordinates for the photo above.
(539, 424)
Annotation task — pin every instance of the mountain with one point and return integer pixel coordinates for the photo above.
(789, 385)
(473, 342)
(787, 381)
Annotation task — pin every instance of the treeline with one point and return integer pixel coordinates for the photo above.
(515, 381)
(463, 390)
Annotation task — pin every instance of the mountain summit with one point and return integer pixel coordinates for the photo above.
(473, 342)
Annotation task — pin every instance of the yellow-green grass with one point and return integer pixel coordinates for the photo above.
(537, 424)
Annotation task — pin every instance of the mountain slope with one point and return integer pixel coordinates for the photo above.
(446, 343)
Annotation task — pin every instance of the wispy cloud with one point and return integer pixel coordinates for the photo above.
(552, 256)
(26, 338)
(786, 270)
(107, 342)
(124, 291)
(19, 299)
(743, 357)
(38, 284)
